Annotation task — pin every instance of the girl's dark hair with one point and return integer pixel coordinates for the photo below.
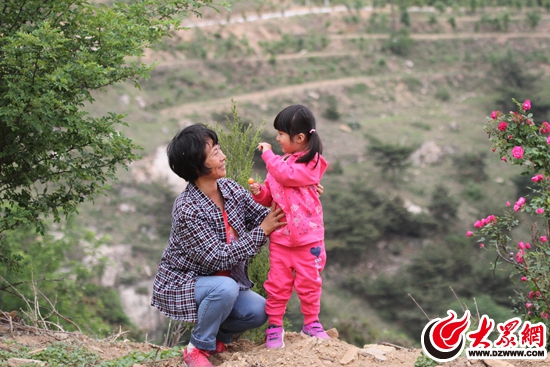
(297, 119)
(187, 151)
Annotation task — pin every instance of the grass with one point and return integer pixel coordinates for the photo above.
(66, 354)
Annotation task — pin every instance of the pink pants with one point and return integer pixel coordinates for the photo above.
(295, 268)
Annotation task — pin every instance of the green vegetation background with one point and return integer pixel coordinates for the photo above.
(384, 260)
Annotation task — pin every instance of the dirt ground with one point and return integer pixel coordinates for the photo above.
(299, 351)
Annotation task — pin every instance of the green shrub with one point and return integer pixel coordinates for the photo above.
(331, 111)
(400, 43)
(470, 167)
(442, 93)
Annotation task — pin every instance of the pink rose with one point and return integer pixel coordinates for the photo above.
(517, 152)
(481, 245)
(528, 305)
(469, 234)
(502, 126)
(548, 140)
(519, 204)
(478, 224)
(543, 239)
(540, 210)
(495, 114)
(526, 105)
(527, 245)
(544, 314)
(507, 203)
(504, 158)
(523, 279)
(521, 245)
(545, 128)
(519, 256)
(537, 178)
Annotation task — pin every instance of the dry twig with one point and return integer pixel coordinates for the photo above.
(416, 303)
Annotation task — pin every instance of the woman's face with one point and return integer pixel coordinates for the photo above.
(215, 159)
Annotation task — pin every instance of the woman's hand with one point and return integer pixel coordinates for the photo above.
(320, 189)
(271, 222)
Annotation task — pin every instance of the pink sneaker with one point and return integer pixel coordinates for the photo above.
(274, 337)
(315, 330)
(196, 358)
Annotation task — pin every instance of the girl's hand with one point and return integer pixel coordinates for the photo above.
(255, 188)
(271, 222)
(263, 146)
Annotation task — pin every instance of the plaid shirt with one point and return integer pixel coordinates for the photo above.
(197, 246)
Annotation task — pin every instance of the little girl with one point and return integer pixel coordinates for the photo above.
(296, 250)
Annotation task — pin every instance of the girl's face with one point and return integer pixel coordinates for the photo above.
(215, 159)
(291, 146)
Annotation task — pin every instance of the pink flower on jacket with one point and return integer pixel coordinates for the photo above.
(526, 105)
(517, 152)
(502, 126)
(537, 178)
(540, 210)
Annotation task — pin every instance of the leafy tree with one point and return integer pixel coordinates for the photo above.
(356, 216)
(443, 207)
(516, 81)
(53, 54)
(470, 167)
(391, 158)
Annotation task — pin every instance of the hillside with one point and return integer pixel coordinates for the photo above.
(430, 88)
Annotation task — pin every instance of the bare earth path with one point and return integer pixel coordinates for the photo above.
(299, 351)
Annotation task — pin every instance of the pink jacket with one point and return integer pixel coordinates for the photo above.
(293, 187)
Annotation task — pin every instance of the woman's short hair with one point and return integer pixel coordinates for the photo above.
(187, 151)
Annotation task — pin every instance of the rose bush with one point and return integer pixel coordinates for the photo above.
(520, 141)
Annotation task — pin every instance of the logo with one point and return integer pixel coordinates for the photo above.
(443, 339)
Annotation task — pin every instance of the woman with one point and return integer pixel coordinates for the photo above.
(216, 228)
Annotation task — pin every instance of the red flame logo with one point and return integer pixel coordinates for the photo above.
(447, 333)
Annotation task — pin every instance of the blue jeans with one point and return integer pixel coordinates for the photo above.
(224, 311)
